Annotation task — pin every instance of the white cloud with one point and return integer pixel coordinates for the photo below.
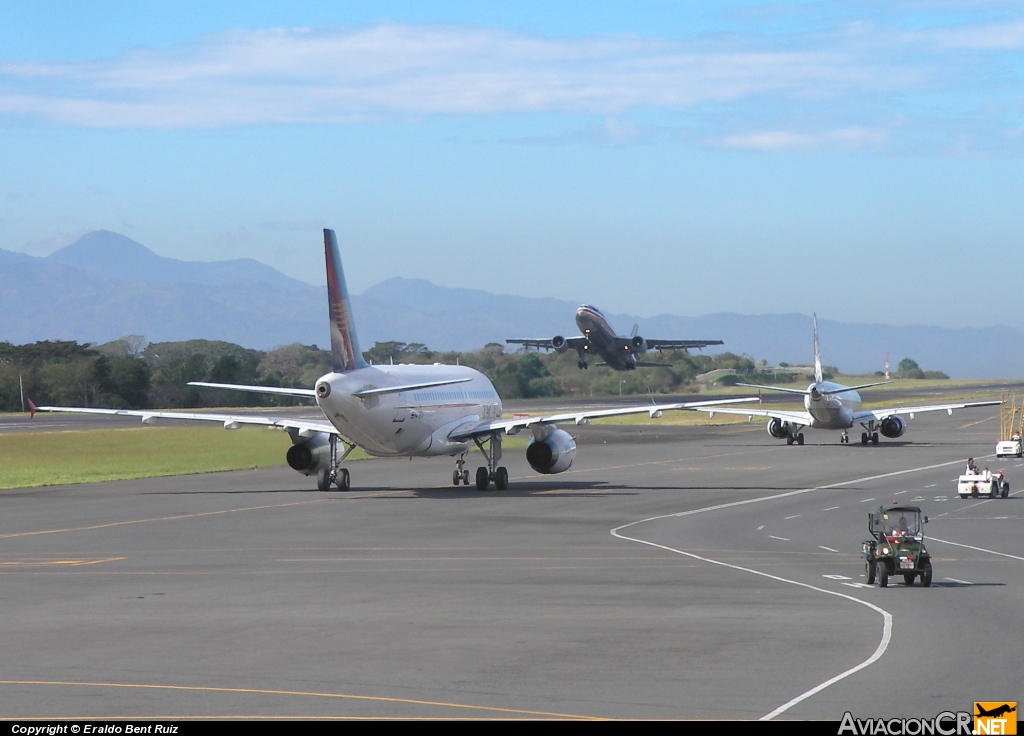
(303, 76)
(781, 140)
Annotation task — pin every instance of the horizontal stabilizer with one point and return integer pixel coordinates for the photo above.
(641, 364)
(407, 387)
(258, 389)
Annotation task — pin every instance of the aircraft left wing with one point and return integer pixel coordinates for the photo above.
(680, 344)
(796, 417)
(571, 343)
(513, 426)
(230, 421)
(883, 413)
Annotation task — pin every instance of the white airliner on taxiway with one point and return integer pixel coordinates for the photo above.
(834, 406)
(401, 410)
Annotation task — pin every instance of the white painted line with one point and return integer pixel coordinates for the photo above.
(932, 485)
(899, 493)
(794, 516)
(837, 577)
(781, 539)
(822, 546)
(760, 527)
(883, 644)
(959, 581)
(977, 549)
(831, 508)
(866, 500)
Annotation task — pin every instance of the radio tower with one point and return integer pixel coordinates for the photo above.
(887, 366)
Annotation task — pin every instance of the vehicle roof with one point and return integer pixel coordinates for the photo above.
(916, 509)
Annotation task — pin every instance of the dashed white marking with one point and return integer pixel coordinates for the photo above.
(760, 527)
(831, 508)
(822, 546)
(932, 485)
(964, 582)
(781, 539)
(883, 644)
(837, 577)
(794, 516)
(866, 500)
(941, 498)
(917, 498)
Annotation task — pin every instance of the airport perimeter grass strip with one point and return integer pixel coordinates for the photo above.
(58, 458)
(90, 456)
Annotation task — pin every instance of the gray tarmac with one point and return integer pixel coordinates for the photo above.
(689, 572)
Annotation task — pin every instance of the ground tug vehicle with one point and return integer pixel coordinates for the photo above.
(896, 546)
(1011, 428)
(983, 484)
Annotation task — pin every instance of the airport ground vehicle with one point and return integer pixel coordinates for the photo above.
(1011, 427)
(983, 484)
(896, 546)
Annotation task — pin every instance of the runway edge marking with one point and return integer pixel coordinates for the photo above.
(886, 616)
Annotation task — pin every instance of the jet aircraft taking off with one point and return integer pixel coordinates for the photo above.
(619, 352)
(400, 410)
(834, 406)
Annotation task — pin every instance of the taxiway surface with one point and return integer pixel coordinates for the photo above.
(673, 573)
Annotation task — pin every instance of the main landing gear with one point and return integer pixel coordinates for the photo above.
(871, 435)
(490, 447)
(336, 475)
(797, 438)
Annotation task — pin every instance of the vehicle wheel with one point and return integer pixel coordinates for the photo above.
(501, 478)
(456, 477)
(482, 480)
(874, 438)
(908, 578)
(344, 479)
(323, 483)
(863, 438)
(869, 572)
(963, 495)
(1006, 490)
(926, 574)
(800, 438)
(465, 477)
(883, 575)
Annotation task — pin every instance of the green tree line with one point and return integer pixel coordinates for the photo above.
(131, 373)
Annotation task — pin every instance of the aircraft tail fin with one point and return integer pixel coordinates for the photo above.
(345, 353)
(817, 354)
(636, 330)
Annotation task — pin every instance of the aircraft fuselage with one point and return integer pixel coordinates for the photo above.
(601, 339)
(415, 422)
(831, 410)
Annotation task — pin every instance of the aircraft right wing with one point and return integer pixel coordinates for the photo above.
(513, 426)
(572, 343)
(796, 417)
(883, 413)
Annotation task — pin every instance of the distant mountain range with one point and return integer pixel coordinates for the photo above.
(106, 285)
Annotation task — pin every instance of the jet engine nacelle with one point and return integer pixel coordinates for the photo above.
(892, 427)
(777, 428)
(311, 456)
(553, 454)
(639, 344)
(558, 343)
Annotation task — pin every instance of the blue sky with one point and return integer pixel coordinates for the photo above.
(860, 159)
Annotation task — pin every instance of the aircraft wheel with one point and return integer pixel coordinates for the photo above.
(482, 479)
(883, 575)
(465, 477)
(789, 439)
(501, 478)
(800, 438)
(874, 438)
(869, 571)
(323, 482)
(926, 575)
(863, 438)
(344, 479)
(456, 477)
